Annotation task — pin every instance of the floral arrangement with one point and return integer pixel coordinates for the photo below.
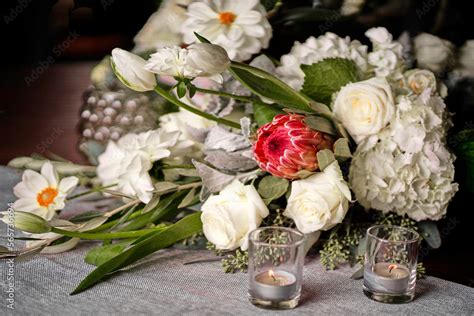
(330, 139)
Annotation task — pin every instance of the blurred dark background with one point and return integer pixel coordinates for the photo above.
(48, 48)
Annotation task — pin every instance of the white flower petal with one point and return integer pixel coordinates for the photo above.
(50, 174)
(68, 184)
(34, 181)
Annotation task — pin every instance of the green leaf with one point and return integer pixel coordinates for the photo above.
(98, 255)
(321, 124)
(326, 77)
(269, 4)
(202, 39)
(165, 209)
(271, 188)
(189, 199)
(342, 150)
(85, 216)
(268, 86)
(320, 108)
(152, 204)
(184, 228)
(325, 158)
(264, 113)
(429, 231)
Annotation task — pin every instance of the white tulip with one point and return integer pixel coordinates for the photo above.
(320, 201)
(365, 107)
(231, 215)
(130, 69)
(210, 59)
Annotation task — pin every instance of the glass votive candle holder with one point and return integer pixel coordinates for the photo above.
(276, 258)
(390, 264)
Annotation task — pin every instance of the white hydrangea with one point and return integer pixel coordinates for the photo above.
(406, 168)
(316, 49)
(386, 58)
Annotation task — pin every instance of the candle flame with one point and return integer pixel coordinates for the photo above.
(391, 267)
(271, 274)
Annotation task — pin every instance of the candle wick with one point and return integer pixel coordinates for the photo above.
(391, 267)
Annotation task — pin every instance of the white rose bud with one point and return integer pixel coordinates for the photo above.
(320, 201)
(211, 59)
(418, 80)
(365, 107)
(130, 69)
(231, 215)
(432, 52)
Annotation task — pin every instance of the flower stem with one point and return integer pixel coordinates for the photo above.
(177, 167)
(225, 94)
(99, 189)
(194, 110)
(107, 236)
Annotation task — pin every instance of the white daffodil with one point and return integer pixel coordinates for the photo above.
(43, 194)
(198, 60)
(129, 68)
(241, 27)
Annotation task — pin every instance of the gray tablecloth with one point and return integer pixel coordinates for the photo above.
(161, 284)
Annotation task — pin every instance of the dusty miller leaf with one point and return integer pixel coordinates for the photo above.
(220, 138)
(212, 179)
(235, 161)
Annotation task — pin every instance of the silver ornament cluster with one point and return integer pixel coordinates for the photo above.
(108, 115)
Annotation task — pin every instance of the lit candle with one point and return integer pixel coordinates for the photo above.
(275, 285)
(387, 278)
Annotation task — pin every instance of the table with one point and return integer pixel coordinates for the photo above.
(162, 284)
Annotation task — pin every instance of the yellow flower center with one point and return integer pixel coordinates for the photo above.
(46, 197)
(227, 18)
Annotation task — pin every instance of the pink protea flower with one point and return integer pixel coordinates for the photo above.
(287, 146)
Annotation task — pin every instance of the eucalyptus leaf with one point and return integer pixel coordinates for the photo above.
(342, 150)
(320, 124)
(326, 77)
(98, 255)
(268, 86)
(271, 188)
(184, 228)
(325, 158)
(429, 231)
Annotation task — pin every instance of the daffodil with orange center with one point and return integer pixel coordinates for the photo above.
(42, 193)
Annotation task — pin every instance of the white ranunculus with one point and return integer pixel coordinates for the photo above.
(364, 107)
(418, 80)
(320, 201)
(316, 49)
(433, 53)
(407, 168)
(229, 216)
(241, 27)
(199, 60)
(130, 69)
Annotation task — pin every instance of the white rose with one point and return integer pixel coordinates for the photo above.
(129, 68)
(365, 107)
(418, 80)
(231, 215)
(432, 52)
(320, 201)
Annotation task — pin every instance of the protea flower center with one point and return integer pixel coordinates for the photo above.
(287, 146)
